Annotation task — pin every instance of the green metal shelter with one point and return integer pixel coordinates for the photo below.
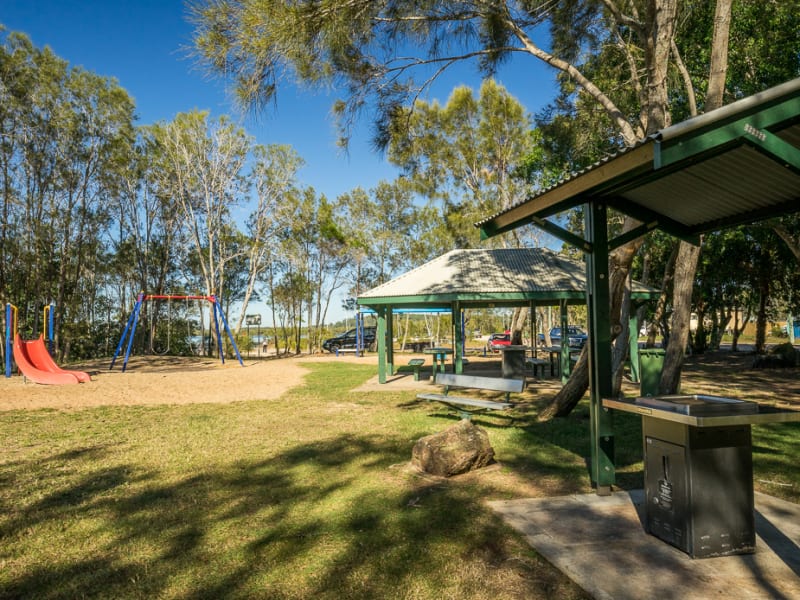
(462, 279)
(734, 165)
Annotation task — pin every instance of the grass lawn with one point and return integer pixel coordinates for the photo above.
(307, 496)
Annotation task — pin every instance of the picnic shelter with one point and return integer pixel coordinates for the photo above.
(482, 278)
(734, 165)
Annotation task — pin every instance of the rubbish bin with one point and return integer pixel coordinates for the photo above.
(651, 363)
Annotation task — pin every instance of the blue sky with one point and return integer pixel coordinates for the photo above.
(142, 44)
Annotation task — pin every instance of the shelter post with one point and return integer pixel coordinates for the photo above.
(458, 338)
(532, 317)
(600, 378)
(390, 339)
(633, 343)
(380, 338)
(566, 365)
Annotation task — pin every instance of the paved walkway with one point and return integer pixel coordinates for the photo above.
(600, 543)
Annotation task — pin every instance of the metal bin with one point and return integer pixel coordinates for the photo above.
(699, 480)
(651, 363)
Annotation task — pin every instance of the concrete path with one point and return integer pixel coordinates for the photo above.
(600, 543)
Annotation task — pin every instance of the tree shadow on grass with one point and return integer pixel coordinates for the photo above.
(321, 519)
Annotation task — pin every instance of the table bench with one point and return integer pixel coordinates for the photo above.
(466, 407)
(416, 363)
(537, 364)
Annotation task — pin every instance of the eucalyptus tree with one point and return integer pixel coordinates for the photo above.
(273, 177)
(313, 261)
(379, 227)
(149, 239)
(201, 168)
(465, 157)
(469, 158)
(66, 135)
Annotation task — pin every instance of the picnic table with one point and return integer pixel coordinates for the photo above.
(439, 355)
(555, 357)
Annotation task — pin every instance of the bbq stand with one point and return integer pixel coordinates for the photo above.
(698, 469)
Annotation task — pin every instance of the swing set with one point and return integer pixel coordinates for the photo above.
(133, 320)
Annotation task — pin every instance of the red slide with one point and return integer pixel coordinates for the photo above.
(35, 363)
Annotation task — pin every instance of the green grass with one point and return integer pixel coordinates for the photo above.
(306, 496)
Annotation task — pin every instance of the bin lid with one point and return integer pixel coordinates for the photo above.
(652, 351)
(699, 405)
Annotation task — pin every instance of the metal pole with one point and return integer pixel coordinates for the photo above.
(8, 341)
(380, 335)
(135, 315)
(228, 331)
(600, 384)
(125, 331)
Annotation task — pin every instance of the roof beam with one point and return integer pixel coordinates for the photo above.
(774, 147)
(677, 148)
(652, 220)
(562, 234)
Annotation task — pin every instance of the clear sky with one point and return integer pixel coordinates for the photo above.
(142, 44)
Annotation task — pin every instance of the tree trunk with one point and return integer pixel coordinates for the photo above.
(687, 257)
(518, 325)
(685, 266)
(763, 301)
(572, 392)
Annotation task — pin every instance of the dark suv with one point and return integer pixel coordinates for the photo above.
(348, 340)
(577, 336)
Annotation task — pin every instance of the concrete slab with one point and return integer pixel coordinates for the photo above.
(600, 543)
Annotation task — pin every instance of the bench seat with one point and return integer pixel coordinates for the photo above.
(537, 364)
(484, 404)
(416, 363)
(468, 406)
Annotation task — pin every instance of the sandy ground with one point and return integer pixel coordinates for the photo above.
(151, 380)
(158, 380)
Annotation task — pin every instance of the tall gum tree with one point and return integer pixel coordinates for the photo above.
(373, 49)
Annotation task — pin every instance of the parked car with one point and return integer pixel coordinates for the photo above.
(499, 340)
(577, 336)
(348, 340)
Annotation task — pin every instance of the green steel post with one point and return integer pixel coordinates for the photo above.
(381, 339)
(633, 344)
(458, 338)
(390, 340)
(566, 365)
(600, 384)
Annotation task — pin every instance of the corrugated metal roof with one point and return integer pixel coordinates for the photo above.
(500, 272)
(716, 173)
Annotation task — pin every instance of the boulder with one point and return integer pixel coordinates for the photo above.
(461, 448)
(781, 356)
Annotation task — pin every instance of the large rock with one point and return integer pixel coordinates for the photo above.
(782, 356)
(461, 448)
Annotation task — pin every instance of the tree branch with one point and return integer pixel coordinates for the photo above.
(624, 20)
(625, 128)
(687, 80)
